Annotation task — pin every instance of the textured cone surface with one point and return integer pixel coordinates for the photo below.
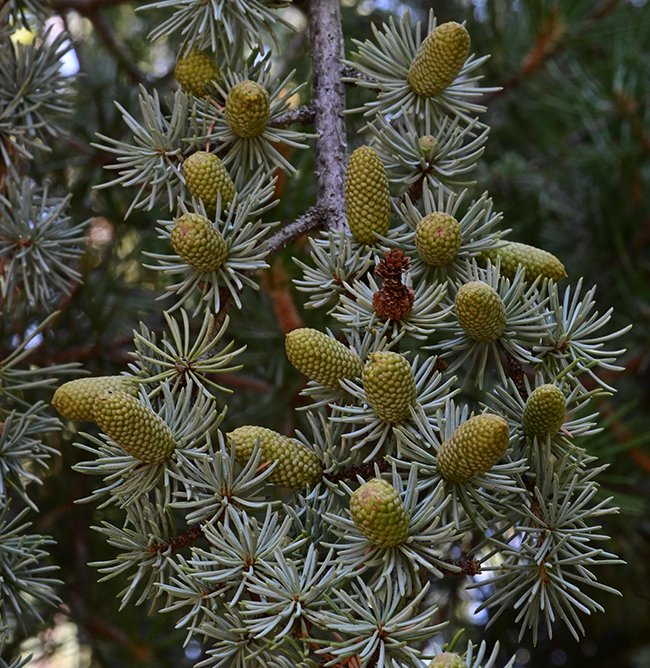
(448, 660)
(367, 197)
(390, 386)
(198, 243)
(206, 177)
(379, 513)
(247, 109)
(439, 59)
(134, 427)
(196, 72)
(536, 262)
(297, 466)
(480, 311)
(438, 238)
(474, 448)
(322, 358)
(75, 399)
(544, 412)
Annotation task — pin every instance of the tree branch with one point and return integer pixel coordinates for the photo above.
(303, 115)
(312, 218)
(329, 99)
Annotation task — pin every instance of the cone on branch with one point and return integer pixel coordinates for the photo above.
(389, 385)
(474, 447)
(198, 243)
(196, 72)
(367, 196)
(322, 358)
(247, 109)
(480, 311)
(134, 427)
(379, 513)
(206, 178)
(297, 466)
(536, 262)
(75, 399)
(448, 660)
(438, 239)
(544, 412)
(439, 59)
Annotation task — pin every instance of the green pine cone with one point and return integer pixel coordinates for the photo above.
(439, 59)
(367, 197)
(247, 109)
(297, 466)
(322, 358)
(75, 399)
(195, 73)
(536, 261)
(544, 412)
(198, 243)
(390, 385)
(134, 427)
(379, 513)
(474, 447)
(206, 177)
(448, 660)
(438, 238)
(480, 311)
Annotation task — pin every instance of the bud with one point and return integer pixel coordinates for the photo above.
(438, 239)
(247, 109)
(480, 311)
(544, 412)
(198, 243)
(379, 513)
(390, 385)
(206, 177)
(448, 660)
(195, 73)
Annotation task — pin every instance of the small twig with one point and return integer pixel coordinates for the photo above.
(312, 218)
(178, 542)
(302, 115)
(364, 470)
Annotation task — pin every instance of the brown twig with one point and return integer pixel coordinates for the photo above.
(302, 115)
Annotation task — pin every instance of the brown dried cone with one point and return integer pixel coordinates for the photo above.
(195, 73)
(206, 177)
(536, 262)
(198, 243)
(439, 59)
(367, 196)
(297, 466)
(438, 239)
(379, 513)
(474, 447)
(448, 660)
(394, 300)
(322, 358)
(247, 109)
(480, 311)
(134, 427)
(390, 385)
(75, 399)
(544, 412)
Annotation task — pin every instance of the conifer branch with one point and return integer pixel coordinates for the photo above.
(303, 115)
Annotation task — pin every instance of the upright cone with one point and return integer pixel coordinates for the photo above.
(544, 412)
(75, 399)
(247, 109)
(195, 73)
(198, 243)
(390, 385)
(206, 178)
(536, 262)
(438, 238)
(480, 311)
(379, 513)
(448, 660)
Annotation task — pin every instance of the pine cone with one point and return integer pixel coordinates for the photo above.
(247, 109)
(367, 197)
(390, 386)
(438, 239)
(448, 660)
(134, 427)
(474, 447)
(75, 399)
(206, 177)
(439, 59)
(379, 513)
(297, 466)
(544, 412)
(322, 358)
(196, 72)
(480, 311)
(198, 243)
(536, 261)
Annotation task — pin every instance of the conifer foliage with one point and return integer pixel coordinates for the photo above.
(444, 414)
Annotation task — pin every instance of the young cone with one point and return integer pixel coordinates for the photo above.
(367, 197)
(322, 358)
(439, 59)
(75, 399)
(379, 513)
(247, 109)
(297, 466)
(480, 311)
(195, 73)
(536, 261)
(448, 660)
(390, 386)
(198, 243)
(206, 177)
(474, 447)
(134, 427)
(438, 238)
(544, 412)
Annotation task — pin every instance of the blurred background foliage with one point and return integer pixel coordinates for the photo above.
(567, 161)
